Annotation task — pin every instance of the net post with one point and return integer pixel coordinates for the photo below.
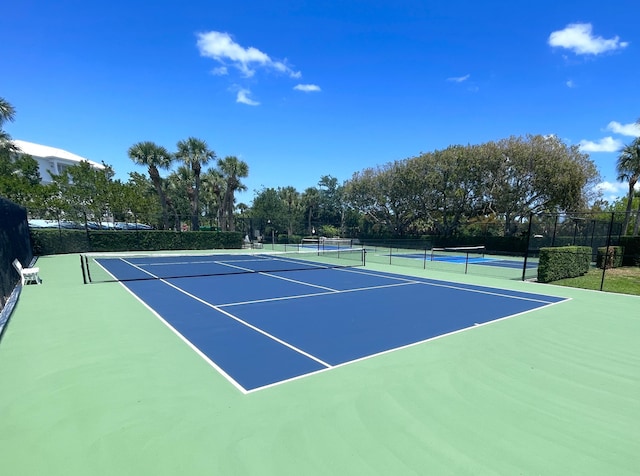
(466, 263)
(86, 260)
(424, 261)
(84, 275)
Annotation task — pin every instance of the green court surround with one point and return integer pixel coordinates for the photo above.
(92, 383)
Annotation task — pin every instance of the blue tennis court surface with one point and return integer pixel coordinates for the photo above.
(473, 260)
(263, 328)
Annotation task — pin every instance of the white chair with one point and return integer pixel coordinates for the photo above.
(28, 275)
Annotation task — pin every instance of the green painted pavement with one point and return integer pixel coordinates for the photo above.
(92, 383)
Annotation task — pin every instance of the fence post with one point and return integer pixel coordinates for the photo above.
(606, 252)
(526, 251)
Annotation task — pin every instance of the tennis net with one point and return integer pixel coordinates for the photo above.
(326, 243)
(109, 267)
(457, 253)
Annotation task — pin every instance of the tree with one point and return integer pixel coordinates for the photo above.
(194, 153)
(536, 174)
(291, 200)
(501, 181)
(84, 191)
(154, 157)
(268, 211)
(7, 114)
(180, 190)
(212, 195)
(136, 200)
(628, 168)
(232, 170)
(19, 178)
(330, 207)
(367, 193)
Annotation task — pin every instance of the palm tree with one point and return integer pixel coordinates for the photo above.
(195, 153)
(628, 167)
(213, 188)
(7, 114)
(182, 192)
(291, 199)
(232, 170)
(154, 157)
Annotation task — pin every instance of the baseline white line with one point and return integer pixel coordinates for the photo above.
(180, 336)
(406, 346)
(406, 281)
(250, 326)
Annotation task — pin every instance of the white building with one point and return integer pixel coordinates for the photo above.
(51, 160)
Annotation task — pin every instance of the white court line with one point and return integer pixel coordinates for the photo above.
(450, 286)
(404, 281)
(302, 296)
(406, 346)
(177, 333)
(265, 273)
(237, 319)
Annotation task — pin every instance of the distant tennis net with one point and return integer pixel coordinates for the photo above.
(108, 267)
(328, 244)
(457, 253)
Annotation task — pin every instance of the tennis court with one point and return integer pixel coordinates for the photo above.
(262, 319)
(94, 382)
(458, 259)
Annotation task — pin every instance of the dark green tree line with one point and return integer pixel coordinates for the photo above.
(504, 181)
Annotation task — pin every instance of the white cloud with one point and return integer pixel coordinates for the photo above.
(221, 47)
(611, 188)
(606, 144)
(220, 71)
(612, 191)
(459, 79)
(631, 130)
(578, 37)
(570, 84)
(307, 88)
(243, 97)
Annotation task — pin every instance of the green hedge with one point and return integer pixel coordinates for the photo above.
(613, 257)
(563, 262)
(631, 250)
(48, 242)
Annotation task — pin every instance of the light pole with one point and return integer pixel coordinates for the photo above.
(272, 234)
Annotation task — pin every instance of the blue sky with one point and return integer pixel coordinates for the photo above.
(302, 89)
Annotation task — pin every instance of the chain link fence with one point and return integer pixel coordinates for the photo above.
(15, 243)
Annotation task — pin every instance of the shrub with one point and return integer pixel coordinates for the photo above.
(48, 242)
(609, 257)
(563, 262)
(631, 250)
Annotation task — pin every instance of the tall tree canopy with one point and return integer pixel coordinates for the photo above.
(7, 114)
(154, 157)
(505, 180)
(628, 168)
(195, 153)
(232, 170)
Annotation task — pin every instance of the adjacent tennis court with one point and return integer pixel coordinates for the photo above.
(458, 259)
(262, 319)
